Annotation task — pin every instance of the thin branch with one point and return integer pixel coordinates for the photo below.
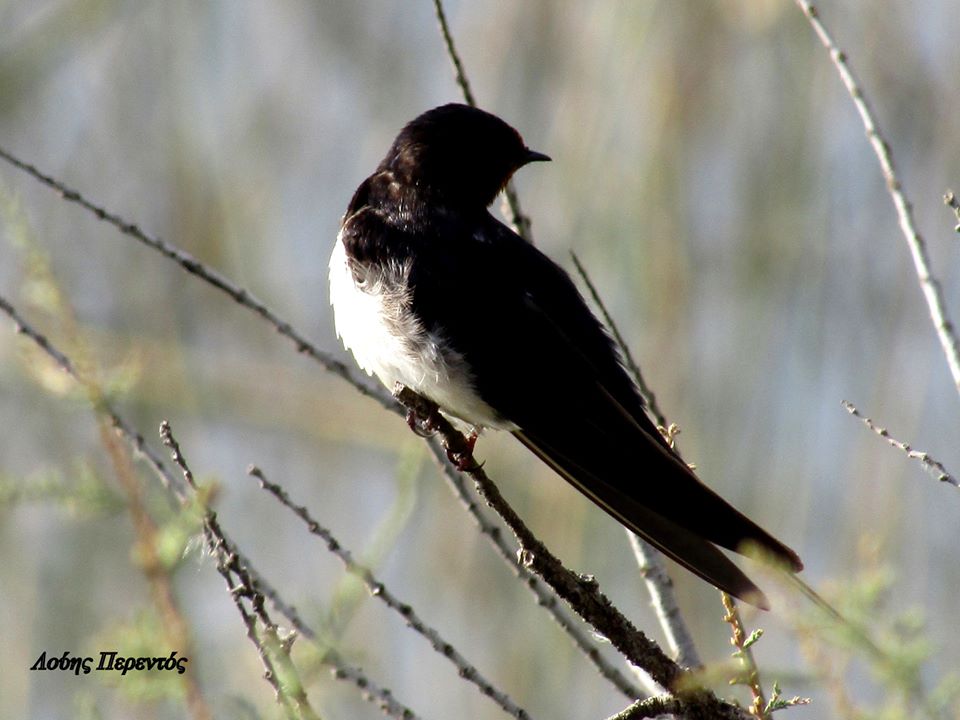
(279, 670)
(380, 591)
(664, 601)
(24, 328)
(933, 467)
(169, 481)
(258, 584)
(581, 592)
(158, 574)
(134, 438)
(243, 581)
(918, 250)
(521, 223)
(545, 596)
(195, 267)
(459, 73)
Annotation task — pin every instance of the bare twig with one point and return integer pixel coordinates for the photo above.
(881, 148)
(380, 591)
(369, 691)
(243, 582)
(340, 669)
(459, 73)
(581, 592)
(664, 601)
(24, 328)
(521, 223)
(935, 468)
(176, 629)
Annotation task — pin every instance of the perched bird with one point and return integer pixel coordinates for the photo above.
(431, 291)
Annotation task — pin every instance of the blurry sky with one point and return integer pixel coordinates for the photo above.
(708, 169)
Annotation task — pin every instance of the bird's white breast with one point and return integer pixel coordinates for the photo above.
(375, 322)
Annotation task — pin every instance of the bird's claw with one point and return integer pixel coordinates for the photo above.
(420, 426)
(472, 440)
(424, 419)
(463, 460)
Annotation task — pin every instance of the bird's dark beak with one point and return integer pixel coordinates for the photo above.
(534, 156)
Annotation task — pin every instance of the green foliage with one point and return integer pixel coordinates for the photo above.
(141, 636)
(752, 638)
(778, 702)
(893, 647)
(81, 491)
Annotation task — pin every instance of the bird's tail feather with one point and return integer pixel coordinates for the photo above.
(682, 545)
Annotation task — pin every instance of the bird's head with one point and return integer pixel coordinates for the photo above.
(461, 155)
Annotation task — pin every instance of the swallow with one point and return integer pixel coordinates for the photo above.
(431, 291)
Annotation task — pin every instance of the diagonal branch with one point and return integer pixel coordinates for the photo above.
(212, 277)
(581, 592)
(380, 591)
(460, 75)
(545, 596)
(933, 467)
(628, 358)
(274, 654)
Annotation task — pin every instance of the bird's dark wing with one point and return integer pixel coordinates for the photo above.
(542, 360)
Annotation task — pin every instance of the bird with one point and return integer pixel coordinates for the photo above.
(431, 291)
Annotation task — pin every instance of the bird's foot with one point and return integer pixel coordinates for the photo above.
(424, 419)
(420, 426)
(462, 457)
(472, 439)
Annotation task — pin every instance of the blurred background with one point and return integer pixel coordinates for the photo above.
(710, 172)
